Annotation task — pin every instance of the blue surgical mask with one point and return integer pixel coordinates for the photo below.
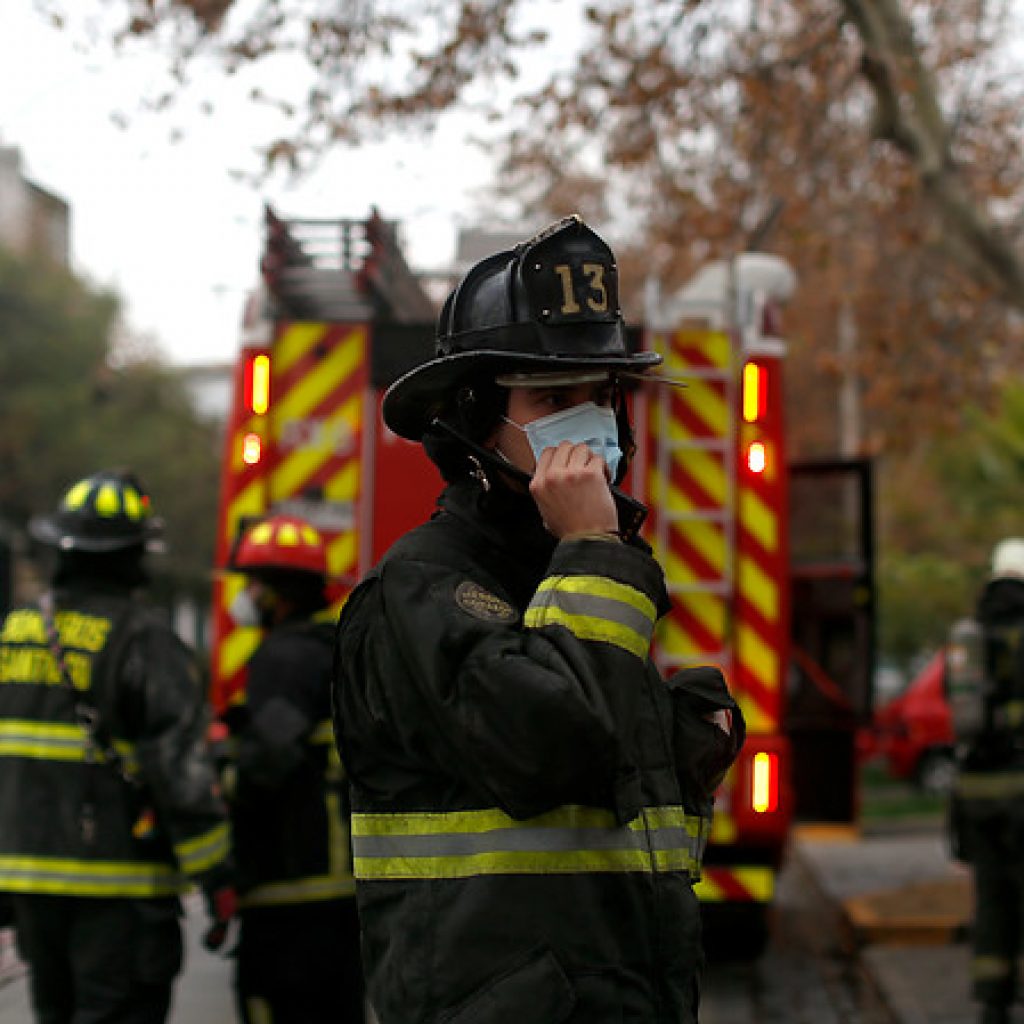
(587, 423)
(244, 611)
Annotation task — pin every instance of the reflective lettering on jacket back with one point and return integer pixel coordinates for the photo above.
(25, 656)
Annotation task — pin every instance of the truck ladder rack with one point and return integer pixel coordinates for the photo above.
(340, 271)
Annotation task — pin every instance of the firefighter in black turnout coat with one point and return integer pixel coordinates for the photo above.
(987, 703)
(530, 798)
(109, 805)
(298, 951)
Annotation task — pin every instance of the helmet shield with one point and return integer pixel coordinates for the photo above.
(551, 304)
(108, 511)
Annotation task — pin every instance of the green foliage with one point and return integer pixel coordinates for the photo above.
(65, 412)
(984, 469)
(919, 596)
(54, 339)
(942, 516)
(885, 800)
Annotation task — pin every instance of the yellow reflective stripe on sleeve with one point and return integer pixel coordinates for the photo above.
(595, 608)
(302, 890)
(697, 828)
(444, 822)
(568, 840)
(70, 877)
(989, 785)
(204, 851)
(602, 587)
(54, 741)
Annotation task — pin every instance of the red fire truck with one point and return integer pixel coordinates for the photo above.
(337, 316)
(770, 568)
(768, 565)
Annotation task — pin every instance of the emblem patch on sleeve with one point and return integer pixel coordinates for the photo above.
(482, 604)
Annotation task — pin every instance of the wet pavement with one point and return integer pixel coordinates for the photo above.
(904, 906)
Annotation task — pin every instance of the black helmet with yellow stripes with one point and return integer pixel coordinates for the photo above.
(550, 306)
(105, 512)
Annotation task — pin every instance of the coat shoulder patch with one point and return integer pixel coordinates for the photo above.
(482, 604)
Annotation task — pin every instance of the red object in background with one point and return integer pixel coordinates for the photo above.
(913, 732)
(761, 804)
(217, 732)
(405, 488)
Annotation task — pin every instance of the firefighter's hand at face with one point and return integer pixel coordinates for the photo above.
(570, 487)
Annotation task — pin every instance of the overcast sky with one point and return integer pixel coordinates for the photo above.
(165, 224)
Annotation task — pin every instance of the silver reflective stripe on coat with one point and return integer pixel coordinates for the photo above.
(595, 608)
(55, 741)
(68, 876)
(568, 840)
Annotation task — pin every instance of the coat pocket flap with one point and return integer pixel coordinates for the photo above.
(535, 990)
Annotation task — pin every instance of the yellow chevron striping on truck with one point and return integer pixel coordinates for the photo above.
(754, 884)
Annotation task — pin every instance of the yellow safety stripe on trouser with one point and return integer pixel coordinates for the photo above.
(55, 741)
(595, 608)
(987, 785)
(1011, 714)
(202, 852)
(322, 734)
(259, 1010)
(991, 968)
(338, 881)
(69, 877)
(568, 840)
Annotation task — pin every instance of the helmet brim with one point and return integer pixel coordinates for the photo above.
(49, 530)
(413, 402)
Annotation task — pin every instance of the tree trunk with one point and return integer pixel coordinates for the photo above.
(908, 115)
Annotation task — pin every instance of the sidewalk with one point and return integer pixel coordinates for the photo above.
(906, 907)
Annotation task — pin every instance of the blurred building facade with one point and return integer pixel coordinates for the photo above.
(209, 388)
(33, 220)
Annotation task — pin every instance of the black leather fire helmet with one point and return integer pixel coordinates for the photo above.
(106, 512)
(548, 306)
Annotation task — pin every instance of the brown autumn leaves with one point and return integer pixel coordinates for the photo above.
(876, 144)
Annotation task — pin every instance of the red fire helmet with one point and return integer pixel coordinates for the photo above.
(281, 543)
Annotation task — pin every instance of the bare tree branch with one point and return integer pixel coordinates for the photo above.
(909, 116)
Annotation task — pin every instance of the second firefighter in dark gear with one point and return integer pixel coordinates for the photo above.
(109, 802)
(298, 953)
(986, 669)
(530, 797)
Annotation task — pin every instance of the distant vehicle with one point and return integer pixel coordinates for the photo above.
(913, 733)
